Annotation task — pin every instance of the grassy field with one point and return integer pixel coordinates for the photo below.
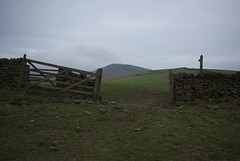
(135, 122)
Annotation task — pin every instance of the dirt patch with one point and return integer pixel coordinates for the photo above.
(153, 99)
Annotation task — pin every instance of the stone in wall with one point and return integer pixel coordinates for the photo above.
(204, 86)
(10, 72)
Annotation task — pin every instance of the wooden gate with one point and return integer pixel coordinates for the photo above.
(63, 79)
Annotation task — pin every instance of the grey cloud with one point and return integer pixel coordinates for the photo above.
(81, 57)
(154, 34)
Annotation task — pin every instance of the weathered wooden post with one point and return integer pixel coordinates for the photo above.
(171, 87)
(21, 72)
(201, 63)
(97, 84)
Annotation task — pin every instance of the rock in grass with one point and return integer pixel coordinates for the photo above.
(117, 107)
(32, 121)
(87, 112)
(77, 101)
(8, 106)
(213, 107)
(138, 129)
(9, 109)
(77, 129)
(42, 143)
(52, 148)
(54, 143)
(104, 102)
(102, 111)
(89, 102)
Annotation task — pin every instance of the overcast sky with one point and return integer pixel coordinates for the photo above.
(155, 34)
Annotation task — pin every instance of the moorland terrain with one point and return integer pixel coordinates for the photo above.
(134, 121)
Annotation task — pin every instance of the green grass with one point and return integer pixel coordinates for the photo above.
(155, 76)
(130, 88)
(131, 92)
(197, 131)
(193, 132)
(133, 87)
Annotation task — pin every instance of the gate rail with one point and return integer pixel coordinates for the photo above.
(62, 79)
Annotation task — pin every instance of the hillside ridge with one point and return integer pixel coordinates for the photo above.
(122, 69)
(157, 74)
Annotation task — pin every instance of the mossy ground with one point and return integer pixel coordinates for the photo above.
(197, 131)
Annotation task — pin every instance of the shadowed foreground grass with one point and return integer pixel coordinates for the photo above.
(134, 130)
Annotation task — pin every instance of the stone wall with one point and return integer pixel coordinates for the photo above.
(10, 72)
(206, 86)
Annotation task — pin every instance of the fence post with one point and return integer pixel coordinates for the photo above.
(201, 63)
(21, 72)
(97, 84)
(171, 87)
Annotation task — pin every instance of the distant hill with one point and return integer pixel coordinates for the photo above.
(122, 69)
(156, 76)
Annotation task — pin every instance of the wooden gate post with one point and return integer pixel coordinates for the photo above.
(21, 72)
(201, 63)
(97, 84)
(171, 87)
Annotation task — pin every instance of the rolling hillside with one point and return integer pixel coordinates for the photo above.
(154, 76)
(132, 87)
(122, 69)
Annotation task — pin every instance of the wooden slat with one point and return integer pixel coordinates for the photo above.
(40, 78)
(36, 75)
(32, 70)
(58, 88)
(49, 70)
(67, 88)
(40, 73)
(81, 86)
(47, 74)
(37, 83)
(47, 78)
(58, 75)
(70, 77)
(59, 82)
(88, 87)
(35, 78)
(58, 66)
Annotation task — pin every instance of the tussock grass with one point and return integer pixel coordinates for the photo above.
(81, 132)
(192, 132)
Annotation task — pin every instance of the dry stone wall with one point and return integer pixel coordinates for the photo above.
(10, 71)
(206, 86)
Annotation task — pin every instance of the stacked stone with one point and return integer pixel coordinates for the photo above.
(183, 87)
(10, 72)
(188, 87)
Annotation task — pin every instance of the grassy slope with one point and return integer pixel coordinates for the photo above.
(131, 87)
(135, 88)
(190, 132)
(199, 132)
(156, 75)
